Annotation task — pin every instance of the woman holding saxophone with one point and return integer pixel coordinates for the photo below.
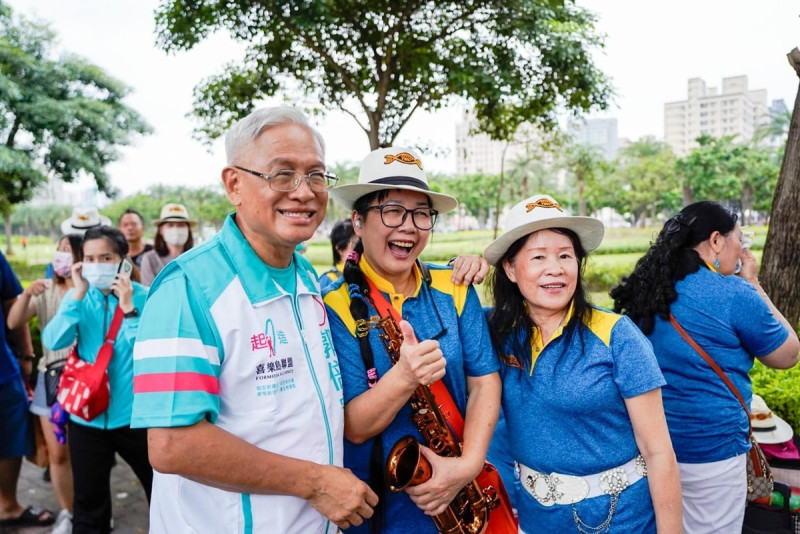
(445, 338)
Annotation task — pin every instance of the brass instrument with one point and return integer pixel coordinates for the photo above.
(468, 513)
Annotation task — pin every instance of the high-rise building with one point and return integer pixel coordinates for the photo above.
(476, 153)
(600, 133)
(735, 110)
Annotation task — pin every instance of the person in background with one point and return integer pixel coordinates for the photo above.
(16, 434)
(393, 215)
(234, 360)
(689, 273)
(42, 299)
(131, 224)
(85, 316)
(581, 386)
(173, 238)
(343, 239)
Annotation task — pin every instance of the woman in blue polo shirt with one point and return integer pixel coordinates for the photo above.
(445, 338)
(689, 272)
(581, 394)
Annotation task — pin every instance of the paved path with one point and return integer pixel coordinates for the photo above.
(128, 500)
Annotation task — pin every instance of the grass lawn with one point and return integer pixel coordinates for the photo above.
(615, 257)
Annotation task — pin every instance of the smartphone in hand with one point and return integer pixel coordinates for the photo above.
(125, 266)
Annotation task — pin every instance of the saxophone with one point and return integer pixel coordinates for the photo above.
(468, 513)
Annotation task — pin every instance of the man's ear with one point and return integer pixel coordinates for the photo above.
(232, 181)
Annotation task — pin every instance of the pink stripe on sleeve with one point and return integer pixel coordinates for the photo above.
(184, 381)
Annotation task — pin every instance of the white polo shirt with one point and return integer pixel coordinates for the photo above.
(220, 340)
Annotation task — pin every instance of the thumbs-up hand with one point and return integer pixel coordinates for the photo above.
(421, 362)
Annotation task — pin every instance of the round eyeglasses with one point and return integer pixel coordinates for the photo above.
(287, 180)
(393, 216)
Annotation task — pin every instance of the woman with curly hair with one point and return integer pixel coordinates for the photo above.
(689, 272)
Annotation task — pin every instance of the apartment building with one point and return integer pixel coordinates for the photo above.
(735, 110)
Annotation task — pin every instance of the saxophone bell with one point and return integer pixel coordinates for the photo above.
(406, 466)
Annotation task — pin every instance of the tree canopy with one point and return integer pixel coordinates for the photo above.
(59, 117)
(513, 61)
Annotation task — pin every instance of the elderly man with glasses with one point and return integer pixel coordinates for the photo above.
(236, 376)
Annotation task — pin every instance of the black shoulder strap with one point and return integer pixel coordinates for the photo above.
(426, 272)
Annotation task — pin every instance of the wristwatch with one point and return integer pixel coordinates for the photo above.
(131, 314)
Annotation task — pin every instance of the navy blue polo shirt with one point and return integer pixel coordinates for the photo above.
(9, 289)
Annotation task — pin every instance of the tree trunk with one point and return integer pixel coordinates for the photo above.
(748, 194)
(581, 195)
(688, 196)
(9, 252)
(780, 270)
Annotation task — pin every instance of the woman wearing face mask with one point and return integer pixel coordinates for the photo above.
(173, 238)
(42, 299)
(85, 316)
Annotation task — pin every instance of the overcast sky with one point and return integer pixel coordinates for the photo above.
(652, 49)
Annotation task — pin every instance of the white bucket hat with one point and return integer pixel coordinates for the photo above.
(82, 219)
(174, 213)
(391, 168)
(768, 427)
(537, 213)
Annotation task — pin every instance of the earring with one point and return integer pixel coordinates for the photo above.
(716, 263)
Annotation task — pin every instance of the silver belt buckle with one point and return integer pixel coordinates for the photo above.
(556, 488)
(614, 481)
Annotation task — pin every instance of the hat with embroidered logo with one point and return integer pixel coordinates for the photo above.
(767, 427)
(82, 219)
(540, 212)
(174, 213)
(391, 168)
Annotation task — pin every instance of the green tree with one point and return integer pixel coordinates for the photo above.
(530, 175)
(585, 165)
(39, 220)
(476, 193)
(208, 205)
(59, 118)
(643, 183)
(513, 61)
(721, 169)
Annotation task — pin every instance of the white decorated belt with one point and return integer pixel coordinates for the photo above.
(557, 488)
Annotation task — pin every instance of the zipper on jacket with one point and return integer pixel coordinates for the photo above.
(105, 318)
(298, 320)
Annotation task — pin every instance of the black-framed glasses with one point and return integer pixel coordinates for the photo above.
(288, 180)
(393, 216)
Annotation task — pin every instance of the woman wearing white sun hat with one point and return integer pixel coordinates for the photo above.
(393, 214)
(581, 386)
(173, 238)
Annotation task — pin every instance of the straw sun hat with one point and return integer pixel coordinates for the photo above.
(174, 213)
(82, 219)
(540, 212)
(768, 427)
(391, 168)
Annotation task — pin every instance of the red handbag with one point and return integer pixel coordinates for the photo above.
(83, 390)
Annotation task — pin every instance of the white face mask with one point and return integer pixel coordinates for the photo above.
(62, 263)
(176, 236)
(99, 275)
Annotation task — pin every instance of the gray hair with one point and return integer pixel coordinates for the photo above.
(246, 130)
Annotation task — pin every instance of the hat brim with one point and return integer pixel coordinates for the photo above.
(781, 433)
(590, 231)
(161, 221)
(68, 228)
(348, 194)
